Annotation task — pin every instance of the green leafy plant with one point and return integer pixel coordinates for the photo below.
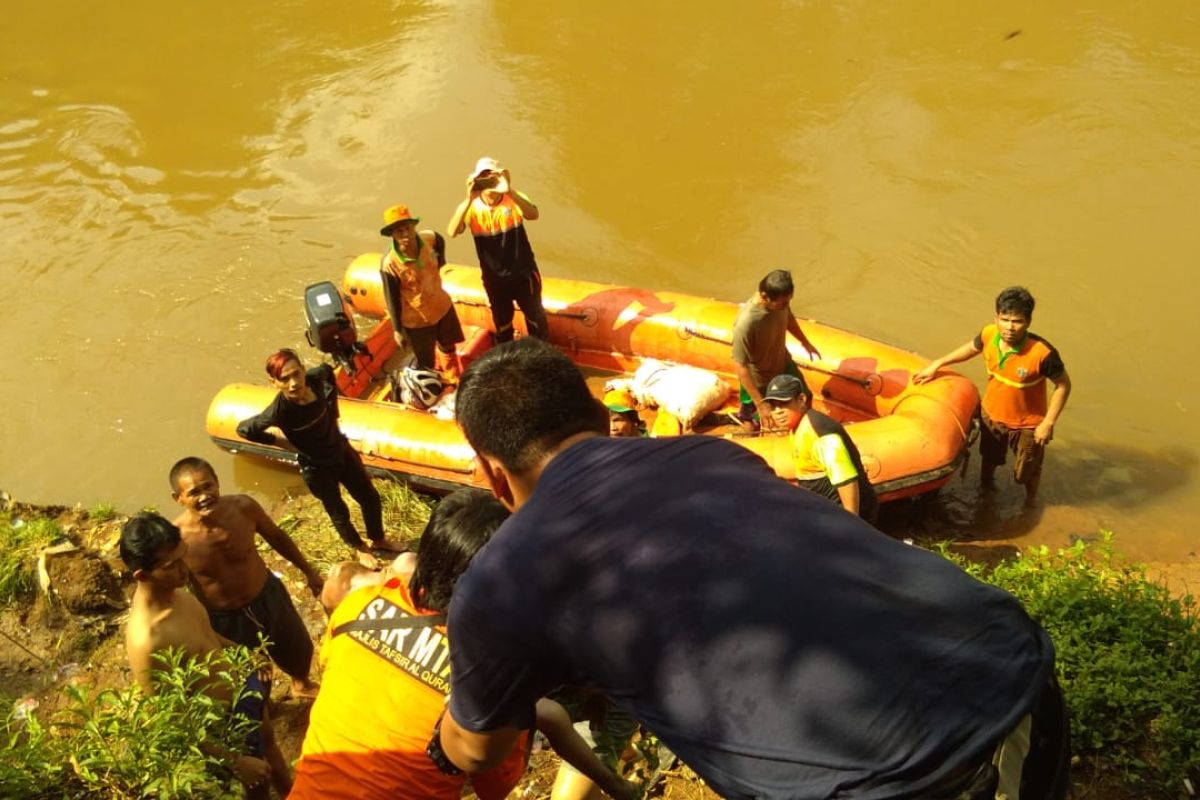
(1128, 660)
(174, 744)
(20, 541)
(102, 512)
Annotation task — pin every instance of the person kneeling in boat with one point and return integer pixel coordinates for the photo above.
(827, 460)
(386, 675)
(163, 616)
(419, 308)
(306, 411)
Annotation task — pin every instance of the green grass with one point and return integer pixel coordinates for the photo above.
(102, 512)
(20, 541)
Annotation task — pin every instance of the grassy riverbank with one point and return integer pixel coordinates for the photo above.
(1128, 655)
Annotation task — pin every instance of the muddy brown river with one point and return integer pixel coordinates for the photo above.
(173, 175)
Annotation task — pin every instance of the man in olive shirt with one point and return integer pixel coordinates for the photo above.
(760, 343)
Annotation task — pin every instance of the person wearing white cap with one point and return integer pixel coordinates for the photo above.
(496, 214)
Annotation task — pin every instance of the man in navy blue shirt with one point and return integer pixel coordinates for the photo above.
(781, 647)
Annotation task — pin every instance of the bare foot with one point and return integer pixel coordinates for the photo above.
(387, 545)
(305, 688)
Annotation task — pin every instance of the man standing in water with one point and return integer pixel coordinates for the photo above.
(1016, 415)
(244, 599)
(161, 616)
(496, 214)
(760, 343)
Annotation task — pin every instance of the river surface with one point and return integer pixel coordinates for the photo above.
(173, 175)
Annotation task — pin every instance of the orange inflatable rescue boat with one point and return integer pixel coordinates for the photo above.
(912, 437)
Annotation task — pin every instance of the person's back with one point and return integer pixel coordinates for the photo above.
(355, 748)
(779, 646)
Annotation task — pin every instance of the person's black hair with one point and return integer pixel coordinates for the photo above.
(143, 539)
(190, 464)
(520, 400)
(460, 524)
(776, 284)
(1015, 300)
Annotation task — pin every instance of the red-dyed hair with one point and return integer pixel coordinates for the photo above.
(279, 359)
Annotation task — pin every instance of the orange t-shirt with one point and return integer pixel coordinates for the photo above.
(1016, 393)
(382, 693)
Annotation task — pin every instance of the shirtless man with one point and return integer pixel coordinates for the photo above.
(242, 596)
(161, 616)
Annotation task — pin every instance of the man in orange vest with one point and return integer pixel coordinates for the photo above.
(417, 304)
(1016, 413)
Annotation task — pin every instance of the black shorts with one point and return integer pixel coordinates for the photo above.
(446, 333)
(274, 616)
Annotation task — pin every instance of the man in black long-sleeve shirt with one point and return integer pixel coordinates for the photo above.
(306, 411)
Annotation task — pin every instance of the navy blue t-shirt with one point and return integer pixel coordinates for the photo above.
(779, 645)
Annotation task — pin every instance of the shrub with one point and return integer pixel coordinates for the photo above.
(126, 744)
(1128, 660)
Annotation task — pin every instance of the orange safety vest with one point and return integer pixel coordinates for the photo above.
(382, 692)
(1015, 395)
(423, 302)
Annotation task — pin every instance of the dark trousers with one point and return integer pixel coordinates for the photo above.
(324, 482)
(526, 292)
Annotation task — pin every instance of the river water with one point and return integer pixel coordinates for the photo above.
(173, 175)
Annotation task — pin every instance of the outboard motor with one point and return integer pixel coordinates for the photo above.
(331, 323)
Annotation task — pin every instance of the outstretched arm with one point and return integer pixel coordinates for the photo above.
(963, 353)
(554, 721)
(283, 544)
(1044, 432)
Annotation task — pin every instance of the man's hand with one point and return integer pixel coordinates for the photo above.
(766, 414)
(473, 189)
(925, 375)
(315, 584)
(1043, 433)
(813, 353)
(252, 772)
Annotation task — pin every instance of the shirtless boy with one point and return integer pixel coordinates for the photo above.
(161, 616)
(242, 596)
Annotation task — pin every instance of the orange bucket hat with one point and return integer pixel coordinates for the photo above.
(393, 217)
